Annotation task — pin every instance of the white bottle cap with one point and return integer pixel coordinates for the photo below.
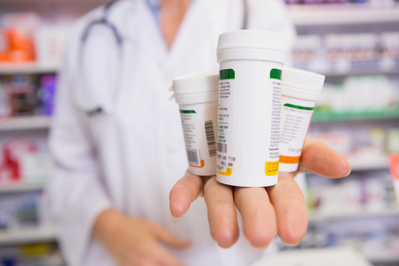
(196, 88)
(197, 83)
(257, 39)
(301, 84)
(251, 45)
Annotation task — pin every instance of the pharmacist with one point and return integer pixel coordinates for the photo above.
(119, 150)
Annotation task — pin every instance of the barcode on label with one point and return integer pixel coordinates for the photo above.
(222, 147)
(192, 157)
(210, 138)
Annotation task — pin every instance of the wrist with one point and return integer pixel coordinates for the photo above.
(106, 222)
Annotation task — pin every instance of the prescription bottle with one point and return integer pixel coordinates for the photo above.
(249, 107)
(197, 96)
(301, 89)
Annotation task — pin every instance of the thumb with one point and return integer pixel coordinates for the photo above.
(166, 237)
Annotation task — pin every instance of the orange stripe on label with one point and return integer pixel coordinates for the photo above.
(228, 172)
(289, 159)
(196, 166)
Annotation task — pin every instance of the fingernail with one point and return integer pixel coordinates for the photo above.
(292, 245)
(177, 217)
(350, 171)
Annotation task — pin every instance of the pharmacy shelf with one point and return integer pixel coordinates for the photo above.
(388, 257)
(375, 164)
(358, 72)
(348, 14)
(327, 116)
(315, 216)
(28, 235)
(15, 188)
(28, 68)
(25, 123)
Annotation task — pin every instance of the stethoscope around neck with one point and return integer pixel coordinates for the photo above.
(110, 107)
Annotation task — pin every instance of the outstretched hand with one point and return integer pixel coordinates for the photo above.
(265, 211)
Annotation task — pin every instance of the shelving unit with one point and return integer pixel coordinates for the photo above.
(375, 164)
(342, 15)
(387, 257)
(315, 216)
(27, 236)
(345, 19)
(8, 127)
(25, 123)
(16, 188)
(328, 116)
(357, 72)
(28, 68)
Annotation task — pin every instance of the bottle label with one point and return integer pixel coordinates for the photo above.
(228, 155)
(191, 137)
(294, 128)
(272, 163)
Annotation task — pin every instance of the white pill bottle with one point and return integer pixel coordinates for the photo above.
(249, 107)
(301, 89)
(197, 96)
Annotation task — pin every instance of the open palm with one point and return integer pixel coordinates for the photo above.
(265, 211)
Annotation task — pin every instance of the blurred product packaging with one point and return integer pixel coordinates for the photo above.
(23, 161)
(20, 90)
(12, 152)
(27, 95)
(17, 37)
(372, 93)
(24, 37)
(50, 42)
(393, 151)
(47, 94)
(345, 52)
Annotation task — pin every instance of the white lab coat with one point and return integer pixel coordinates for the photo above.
(131, 159)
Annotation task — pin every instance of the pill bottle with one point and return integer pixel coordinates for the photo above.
(249, 107)
(197, 96)
(301, 89)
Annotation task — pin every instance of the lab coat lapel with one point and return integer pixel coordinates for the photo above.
(199, 31)
(194, 28)
(137, 26)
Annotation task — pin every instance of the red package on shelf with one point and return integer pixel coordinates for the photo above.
(13, 150)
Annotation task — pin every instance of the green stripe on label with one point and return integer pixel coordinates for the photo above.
(227, 74)
(299, 107)
(275, 73)
(187, 111)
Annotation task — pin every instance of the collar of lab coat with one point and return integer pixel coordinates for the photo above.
(137, 25)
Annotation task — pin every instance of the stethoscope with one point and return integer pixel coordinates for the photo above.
(104, 21)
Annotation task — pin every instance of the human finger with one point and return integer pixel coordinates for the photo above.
(183, 193)
(289, 204)
(322, 160)
(222, 215)
(258, 216)
(168, 238)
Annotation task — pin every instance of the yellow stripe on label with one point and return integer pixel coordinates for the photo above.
(228, 172)
(271, 168)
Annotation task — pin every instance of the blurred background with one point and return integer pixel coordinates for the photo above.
(355, 43)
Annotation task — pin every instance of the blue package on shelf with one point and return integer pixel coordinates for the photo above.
(48, 87)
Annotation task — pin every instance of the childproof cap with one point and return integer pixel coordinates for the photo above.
(301, 84)
(196, 88)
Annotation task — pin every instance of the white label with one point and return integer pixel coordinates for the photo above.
(191, 136)
(275, 121)
(294, 127)
(229, 154)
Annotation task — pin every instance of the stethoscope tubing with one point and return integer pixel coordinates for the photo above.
(110, 108)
